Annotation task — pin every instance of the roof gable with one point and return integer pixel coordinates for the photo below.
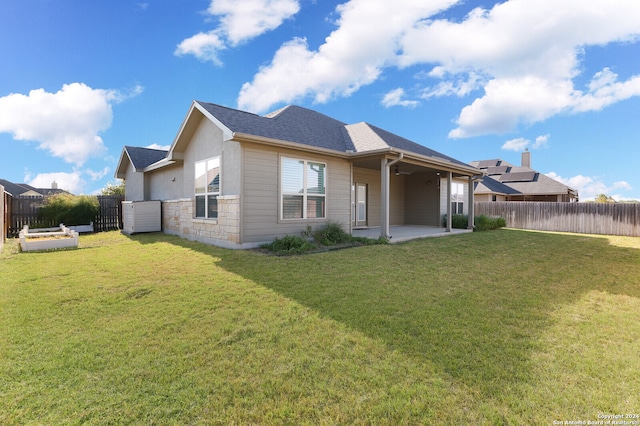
(139, 157)
(144, 157)
(290, 124)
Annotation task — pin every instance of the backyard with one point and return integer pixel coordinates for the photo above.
(499, 327)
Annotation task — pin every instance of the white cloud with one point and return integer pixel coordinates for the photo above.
(158, 146)
(71, 182)
(531, 51)
(204, 46)
(239, 21)
(395, 98)
(457, 86)
(541, 141)
(590, 187)
(518, 144)
(247, 19)
(366, 41)
(99, 174)
(525, 54)
(66, 123)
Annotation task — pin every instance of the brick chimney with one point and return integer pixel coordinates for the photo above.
(526, 158)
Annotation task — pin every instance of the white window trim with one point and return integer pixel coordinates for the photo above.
(304, 194)
(206, 194)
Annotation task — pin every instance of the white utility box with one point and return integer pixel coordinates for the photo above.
(141, 216)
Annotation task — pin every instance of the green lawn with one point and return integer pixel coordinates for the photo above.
(500, 327)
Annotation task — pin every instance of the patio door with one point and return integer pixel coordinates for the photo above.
(359, 214)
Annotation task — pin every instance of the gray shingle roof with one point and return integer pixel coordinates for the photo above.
(17, 189)
(143, 157)
(488, 184)
(531, 183)
(308, 127)
(291, 124)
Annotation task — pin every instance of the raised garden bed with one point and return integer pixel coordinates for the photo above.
(47, 238)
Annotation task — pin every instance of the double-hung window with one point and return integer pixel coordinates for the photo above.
(303, 189)
(207, 188)
(457, 198)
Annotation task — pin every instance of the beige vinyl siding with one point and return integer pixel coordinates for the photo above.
(396, 199)
(261, 197)
(372, 178)
(422, 200)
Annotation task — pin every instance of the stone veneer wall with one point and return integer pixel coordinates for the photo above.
(177, 219)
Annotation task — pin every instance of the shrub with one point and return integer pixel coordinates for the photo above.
(458, 221)
(69, 209)
(289, 244)
(487, 223)
(331, 235)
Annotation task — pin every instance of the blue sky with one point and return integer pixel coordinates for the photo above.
(472, 79)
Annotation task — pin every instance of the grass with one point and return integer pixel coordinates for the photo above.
(502, 327)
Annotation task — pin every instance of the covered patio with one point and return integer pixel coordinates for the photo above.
(409, 232)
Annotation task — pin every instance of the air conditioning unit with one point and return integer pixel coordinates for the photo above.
(141, 216)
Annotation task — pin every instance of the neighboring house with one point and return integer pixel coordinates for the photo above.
(22, 189)
(237, 179)
(506, 182)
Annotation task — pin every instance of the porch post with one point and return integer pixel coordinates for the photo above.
(448, 202)
(384, 211)
(471, 212)
(385, 166)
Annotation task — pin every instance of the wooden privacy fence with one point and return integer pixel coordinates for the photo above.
(24, 211)
(583, 218)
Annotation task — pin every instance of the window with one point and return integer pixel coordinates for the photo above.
(457, 198)
(207, 188)
(303, 189)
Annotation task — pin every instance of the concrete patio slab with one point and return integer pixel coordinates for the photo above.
(406, 233)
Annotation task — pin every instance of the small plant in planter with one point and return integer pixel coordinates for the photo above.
(70, 209)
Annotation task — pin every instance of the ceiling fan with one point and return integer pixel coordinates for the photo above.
(398, 172)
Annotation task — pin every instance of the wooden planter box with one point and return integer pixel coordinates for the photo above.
(47, 238)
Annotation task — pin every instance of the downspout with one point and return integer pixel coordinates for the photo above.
(386, 167)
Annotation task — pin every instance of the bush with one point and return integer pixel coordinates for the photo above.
(487, 223)
(289, 244)
(69, 209)
(458, 221)
(480, 223)
(331, 235)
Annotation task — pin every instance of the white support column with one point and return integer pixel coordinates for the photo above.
(448, 202)
(384, 196)
(471, 212)
(385, 167)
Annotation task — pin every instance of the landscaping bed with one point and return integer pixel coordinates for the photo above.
(47, 238)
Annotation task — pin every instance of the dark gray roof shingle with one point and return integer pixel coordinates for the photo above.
(291, 124)
(143, 157)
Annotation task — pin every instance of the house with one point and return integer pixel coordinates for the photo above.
(506, 182)
(23, 189)
(237, 179)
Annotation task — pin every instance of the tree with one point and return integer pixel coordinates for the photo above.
(112, 189)
(603, 198)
